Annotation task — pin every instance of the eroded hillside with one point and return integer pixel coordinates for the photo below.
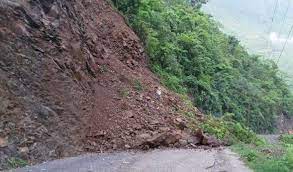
(73, 79)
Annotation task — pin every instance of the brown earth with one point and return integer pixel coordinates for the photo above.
(74, 79)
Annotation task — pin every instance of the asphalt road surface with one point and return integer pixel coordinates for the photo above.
(178, 160)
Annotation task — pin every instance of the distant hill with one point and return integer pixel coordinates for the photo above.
(253, 23)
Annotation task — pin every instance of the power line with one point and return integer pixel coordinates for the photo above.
(285, 17)
(271, 26)
(274, 14)
(285, 44)
(283, 23)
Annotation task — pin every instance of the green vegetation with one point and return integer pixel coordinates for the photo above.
(138, 85)
(16, 163)
(230, 131)
(191, 55)
(124, 92)
(252, 29)
(267, 157)
(287, 139)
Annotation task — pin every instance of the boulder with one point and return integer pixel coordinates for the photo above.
(180, 123)
(206, 139)
(163, 139)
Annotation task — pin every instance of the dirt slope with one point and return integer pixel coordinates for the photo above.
(74, 78)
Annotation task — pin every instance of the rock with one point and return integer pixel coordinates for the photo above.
(137, 126)
(156, 140)
(129, 114)
(171, 139)
(54, 12)
(179, 120)
(3, 142)
(99, 134)
(114, 146)
(44, 112)
(163, 139)
(21, 30)
(211, 141)
(181, 123)
(127, 146)
(207, 140)
(199, 134)
(164, 129)
(183, 142)
(144, 136)
(154, 122)
(193, 140)
(23, 150)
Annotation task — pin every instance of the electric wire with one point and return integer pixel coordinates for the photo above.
(284, 17)
(271, 27)
(288, 37)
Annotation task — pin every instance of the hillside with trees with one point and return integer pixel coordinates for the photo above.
(262, 27)
(192, 56)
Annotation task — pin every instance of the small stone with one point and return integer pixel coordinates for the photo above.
(144, 136)
(181, 123)
(129, 114)
(164, 129)
(54, 12)
(137, 127)
(3, 142)
(127, 146)
(101, 134)
(179, 120)
(23, 149)
(154, 122)
(114, 146)
(183, 142)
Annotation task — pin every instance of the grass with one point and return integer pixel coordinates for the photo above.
(268, 157)
(124, 92)
(16, 163)
(138, 85)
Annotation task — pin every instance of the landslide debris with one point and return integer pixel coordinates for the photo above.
(74, 79)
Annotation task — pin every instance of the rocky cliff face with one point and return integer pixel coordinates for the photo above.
(73, 79)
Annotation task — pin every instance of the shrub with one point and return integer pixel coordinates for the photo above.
(16, 162)
(137, 85)
(189, 52)
(230, 131)
(287, 139)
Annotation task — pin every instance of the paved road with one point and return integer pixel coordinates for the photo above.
(155, 161)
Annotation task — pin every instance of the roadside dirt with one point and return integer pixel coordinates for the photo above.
(74, 79)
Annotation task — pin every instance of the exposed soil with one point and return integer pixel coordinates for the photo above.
(74, 79)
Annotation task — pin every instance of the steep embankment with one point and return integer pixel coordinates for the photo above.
(73, 78)
(192, 55)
